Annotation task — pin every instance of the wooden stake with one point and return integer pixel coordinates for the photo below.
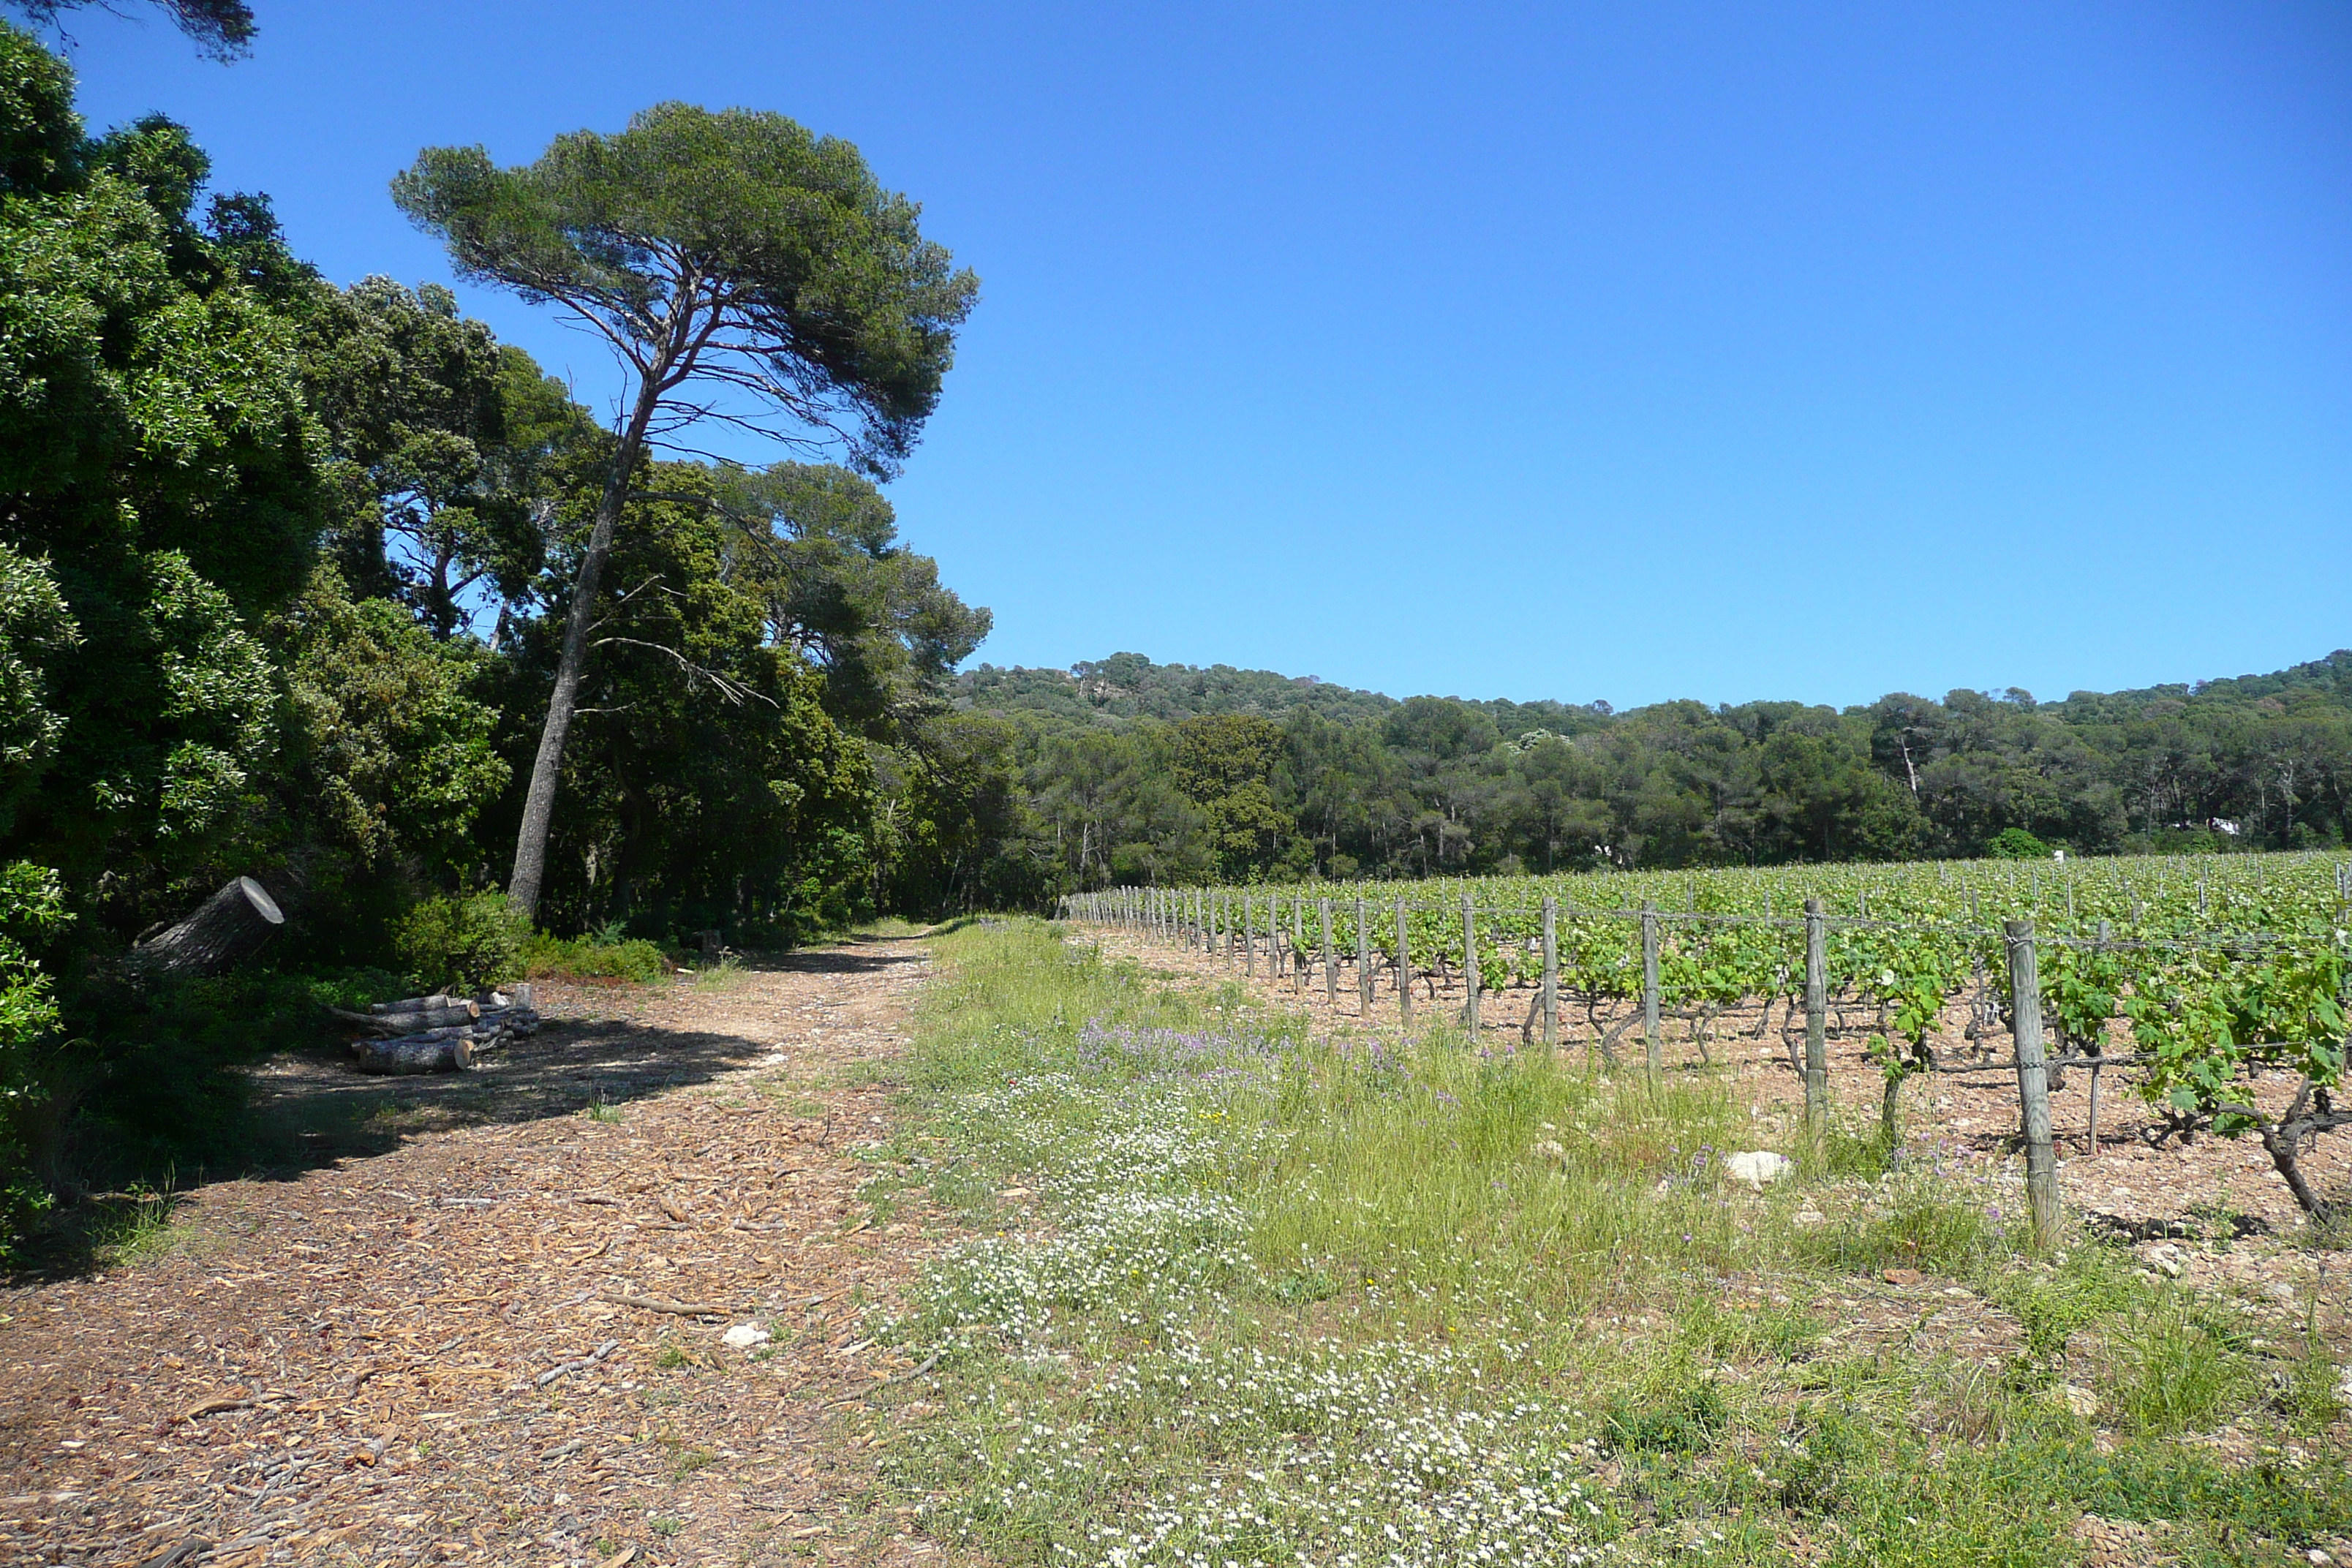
(1650, 1039)
(1551, 971)
(1404, 967)
(1470, 967)
(1817, 1008)
(2032, 1081)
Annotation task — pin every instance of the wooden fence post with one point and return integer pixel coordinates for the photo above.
(1656, 1047)
(1299, 946)
(2098, 1048)
(1817, 1018)
(1404, 968)
(1363, 960)
(1551, 971)
(1249, 936)
(2032, 1081)
(1330, 952)
(1470, 976)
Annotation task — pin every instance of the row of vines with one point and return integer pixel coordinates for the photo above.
(2202, 973)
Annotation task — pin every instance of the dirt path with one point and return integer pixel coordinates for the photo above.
(406, 1349)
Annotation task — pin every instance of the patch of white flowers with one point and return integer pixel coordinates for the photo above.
(1387, 1455)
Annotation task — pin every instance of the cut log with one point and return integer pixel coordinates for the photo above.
(414, 1004)
(440, 1051)
(421, 1018)
(227, 928)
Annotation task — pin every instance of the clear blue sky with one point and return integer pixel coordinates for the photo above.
(1632, 352)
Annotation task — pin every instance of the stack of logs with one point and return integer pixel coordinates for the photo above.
(440, 1033)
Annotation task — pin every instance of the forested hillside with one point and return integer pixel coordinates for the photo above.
(1126, 771)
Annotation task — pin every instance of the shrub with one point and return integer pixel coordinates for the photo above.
(2015, 844)
(461, 945)
(30, 906)
(597, 956)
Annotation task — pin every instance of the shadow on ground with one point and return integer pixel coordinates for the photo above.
(309, 1109)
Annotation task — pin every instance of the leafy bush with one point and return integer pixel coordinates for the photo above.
(462, 944)
(2015, 844)
(600, 955)
(30, 904)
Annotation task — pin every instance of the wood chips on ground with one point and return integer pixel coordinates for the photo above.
(415, 1354)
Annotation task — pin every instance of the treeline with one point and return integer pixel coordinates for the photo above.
(285, 571)
(1124, 771)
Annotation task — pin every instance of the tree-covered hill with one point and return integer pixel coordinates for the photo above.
(1122, 769)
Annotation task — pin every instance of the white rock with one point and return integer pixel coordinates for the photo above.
(1808, 1219)
(2078, 1399)
(1756, 1167)
(743, 1336)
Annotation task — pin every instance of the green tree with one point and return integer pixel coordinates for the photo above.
(742, 269)
(1225, 764)
(158, 465)
(872, 613)
(711, 787)
(450, 449)
(223, 29)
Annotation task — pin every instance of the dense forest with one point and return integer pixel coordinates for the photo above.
(1125, 771)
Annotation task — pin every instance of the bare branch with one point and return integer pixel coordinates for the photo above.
(734, 690)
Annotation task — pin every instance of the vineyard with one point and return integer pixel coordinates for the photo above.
(2212, 988)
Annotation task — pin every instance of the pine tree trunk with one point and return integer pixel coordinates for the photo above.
(539, 801)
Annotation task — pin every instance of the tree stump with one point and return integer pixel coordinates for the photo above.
(227, 928)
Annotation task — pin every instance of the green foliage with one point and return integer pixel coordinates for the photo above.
(447, 449)
(1375, 788)
(598, 956)
(707, 785)
(391, 753)
(2015, 844)
(159, 460)
(847, 313)
(32, 908)
(461, 945)
(823, 542)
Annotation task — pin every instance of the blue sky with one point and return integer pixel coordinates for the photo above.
(1632, 353)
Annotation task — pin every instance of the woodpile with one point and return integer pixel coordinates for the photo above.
(438, 1033)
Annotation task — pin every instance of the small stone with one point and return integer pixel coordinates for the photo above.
(2080, 1401)
(2317, 1558)
(743, 1336)
(1902, 1277)
(1808, 1219)
(1756, 1167)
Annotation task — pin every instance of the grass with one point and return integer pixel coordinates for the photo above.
(133, 1227)
(1247, 1296)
